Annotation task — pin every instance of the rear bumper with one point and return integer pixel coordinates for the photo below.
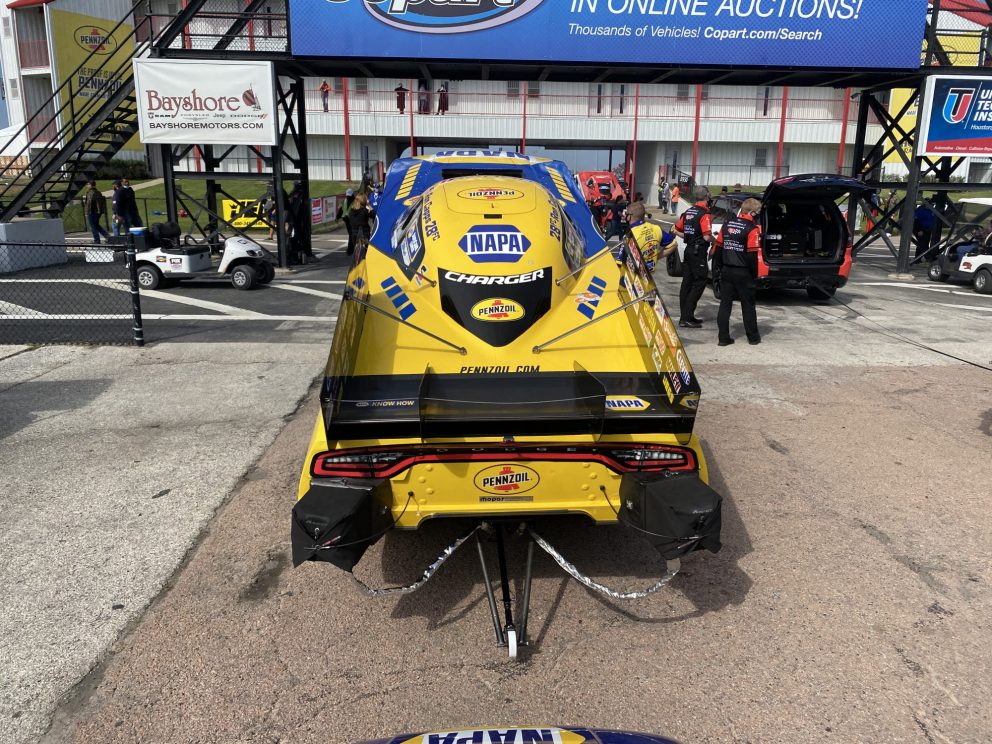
(338, 519)
(800, 277)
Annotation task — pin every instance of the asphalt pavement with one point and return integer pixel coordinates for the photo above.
(150, 598)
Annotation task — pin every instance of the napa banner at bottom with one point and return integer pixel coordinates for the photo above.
(956, 116)
(206, 103)
(866, 34)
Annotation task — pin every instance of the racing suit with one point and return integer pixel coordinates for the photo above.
(695, 225)
(652, 241)
(735, 259)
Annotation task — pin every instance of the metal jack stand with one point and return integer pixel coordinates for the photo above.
(508, 635)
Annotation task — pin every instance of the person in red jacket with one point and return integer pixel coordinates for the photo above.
(735, 260)
(695, 227)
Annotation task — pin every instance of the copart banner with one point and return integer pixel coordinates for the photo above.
(956, 116)
(208, 103)
(780, 33)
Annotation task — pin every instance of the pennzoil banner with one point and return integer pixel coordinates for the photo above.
(778, 33)
(82, 44)
(210, 103)
(956, 116)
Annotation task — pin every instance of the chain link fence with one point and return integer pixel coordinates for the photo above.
(75, 293)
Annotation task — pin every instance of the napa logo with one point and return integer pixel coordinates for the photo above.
(957, 105)
(448, 16)
(492, 243)
(626, 403)
(497, 310)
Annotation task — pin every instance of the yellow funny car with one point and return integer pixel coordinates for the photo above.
(494, 360)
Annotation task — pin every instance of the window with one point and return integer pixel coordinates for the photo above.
(683, 91)
(573, 246)
(6, 26)
(337, 85)
(14, 94)
(766, 100)
(761, 156)
(408, 248)
(361, 86)
(513, 89)
(705, 95)
(533, 89)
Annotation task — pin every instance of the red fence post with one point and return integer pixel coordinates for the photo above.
(523, 138)
(843, 131)
(781, 132)
(695, 137)
(413, 146)
(633, 156)
(347, 130)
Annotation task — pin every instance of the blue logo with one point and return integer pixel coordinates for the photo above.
(448, 16)
(493, 243)
(958, 104)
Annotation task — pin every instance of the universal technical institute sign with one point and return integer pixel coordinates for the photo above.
(210, 103)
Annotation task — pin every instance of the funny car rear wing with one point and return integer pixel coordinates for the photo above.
(500, 403)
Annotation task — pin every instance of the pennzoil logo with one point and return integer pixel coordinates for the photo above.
(626, 403)
(497, 309)
(448, 16)
(491, 194)
(95, 39)
(507, 481)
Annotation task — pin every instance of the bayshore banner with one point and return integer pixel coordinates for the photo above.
(208, 103)
(956, 117)
(779, 33)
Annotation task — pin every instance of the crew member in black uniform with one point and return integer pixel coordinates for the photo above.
(735, 260)
(695, 227)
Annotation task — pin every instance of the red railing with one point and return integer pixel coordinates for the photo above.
(486, 99)
(33, 53)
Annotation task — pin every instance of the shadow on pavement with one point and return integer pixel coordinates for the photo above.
(33, 401)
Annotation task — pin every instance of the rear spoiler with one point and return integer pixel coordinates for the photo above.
(501, 404)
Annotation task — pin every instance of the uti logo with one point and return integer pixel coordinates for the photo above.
(958, 104)
(492, 243)
(448, 16)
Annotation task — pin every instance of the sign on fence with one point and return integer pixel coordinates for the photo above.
(209, 103)
(776, 33)
(230, 208)
(956, 116)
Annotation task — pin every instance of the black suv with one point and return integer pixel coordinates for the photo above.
(805, 241)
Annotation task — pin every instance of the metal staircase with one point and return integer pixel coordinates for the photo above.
(71, 137)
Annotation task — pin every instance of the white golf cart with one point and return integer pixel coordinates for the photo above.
(966, 254)
(167, 259)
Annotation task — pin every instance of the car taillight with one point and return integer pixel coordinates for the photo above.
(356, 463)
(654, 457)
(386, 462)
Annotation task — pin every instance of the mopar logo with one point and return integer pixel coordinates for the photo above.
(448, 16)
(490, 243)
